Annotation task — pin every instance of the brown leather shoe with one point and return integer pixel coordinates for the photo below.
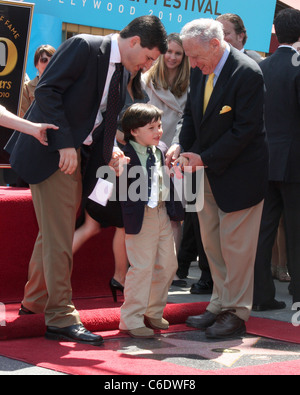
(227, 325)
(157, 323)
(202, 321)
(140, 333)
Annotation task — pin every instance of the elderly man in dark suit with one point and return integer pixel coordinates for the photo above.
(74, 94)
(282, 113)
(223, 130)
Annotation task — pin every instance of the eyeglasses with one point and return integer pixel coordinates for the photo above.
(44, 60)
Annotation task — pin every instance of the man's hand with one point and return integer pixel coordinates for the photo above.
(189, 162)
(172, 154)
(68, 160)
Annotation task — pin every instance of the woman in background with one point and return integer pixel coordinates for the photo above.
(166, 84)
(42, 57)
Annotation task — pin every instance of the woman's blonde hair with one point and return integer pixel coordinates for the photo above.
(158, 73)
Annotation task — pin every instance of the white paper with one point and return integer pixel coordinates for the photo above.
(102, 192)
(183, 190)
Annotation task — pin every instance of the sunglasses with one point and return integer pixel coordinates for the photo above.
(44, 60)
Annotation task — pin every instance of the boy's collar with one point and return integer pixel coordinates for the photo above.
(141, 148)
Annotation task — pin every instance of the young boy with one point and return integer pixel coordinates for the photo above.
(149, 237)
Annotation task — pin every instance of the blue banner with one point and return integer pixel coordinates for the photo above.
(46, 29)
(258, 15)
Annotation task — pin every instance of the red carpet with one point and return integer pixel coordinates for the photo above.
(78, 359)
(102, 314)
(112, 359)
(93, 264)
(276, 330)
(22, 337)
(97, 315)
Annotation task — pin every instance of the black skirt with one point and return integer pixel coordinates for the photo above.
(109, 215)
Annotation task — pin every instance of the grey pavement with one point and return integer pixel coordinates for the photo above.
(176, 295)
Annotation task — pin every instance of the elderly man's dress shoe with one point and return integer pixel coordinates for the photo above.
(74, 333)
(227, 325)
(202, 321)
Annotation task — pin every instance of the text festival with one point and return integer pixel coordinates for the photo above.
(201, 6)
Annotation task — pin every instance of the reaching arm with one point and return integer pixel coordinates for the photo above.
(37, 130)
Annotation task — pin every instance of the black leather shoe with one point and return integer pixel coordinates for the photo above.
(24, 311)
(74, 333)
(179, 283)
(227, 326)
(202, 288)
(202, 321)
(273, 305)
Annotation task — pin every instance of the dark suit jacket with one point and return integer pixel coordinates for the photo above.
(133, 211)
(282, 111)
(68, 95)
(254, 55)
(232, 145)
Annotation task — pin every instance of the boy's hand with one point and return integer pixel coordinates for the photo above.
(118, 161)
(172, 154)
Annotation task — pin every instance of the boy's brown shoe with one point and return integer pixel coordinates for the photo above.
(157, 323)
(140, 333)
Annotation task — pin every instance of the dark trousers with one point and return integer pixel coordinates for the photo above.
(191, 247)
(282, 198)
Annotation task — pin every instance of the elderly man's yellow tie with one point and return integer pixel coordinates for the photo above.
(208, 90)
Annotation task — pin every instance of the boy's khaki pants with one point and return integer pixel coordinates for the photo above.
(153, 264)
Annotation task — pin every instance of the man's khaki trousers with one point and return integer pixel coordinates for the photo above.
(48, 289)
(230, 243)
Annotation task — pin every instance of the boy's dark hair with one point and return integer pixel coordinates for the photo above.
(150, 30)
(287, 26)
(139, 115)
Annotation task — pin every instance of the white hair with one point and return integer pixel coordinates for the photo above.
(203, 29)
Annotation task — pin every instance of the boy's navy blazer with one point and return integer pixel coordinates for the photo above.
(133, 211)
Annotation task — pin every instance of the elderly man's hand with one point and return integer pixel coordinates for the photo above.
(189, 162)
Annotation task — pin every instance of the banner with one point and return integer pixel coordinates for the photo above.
(45, 29)
(257, 15)
(15, 26)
